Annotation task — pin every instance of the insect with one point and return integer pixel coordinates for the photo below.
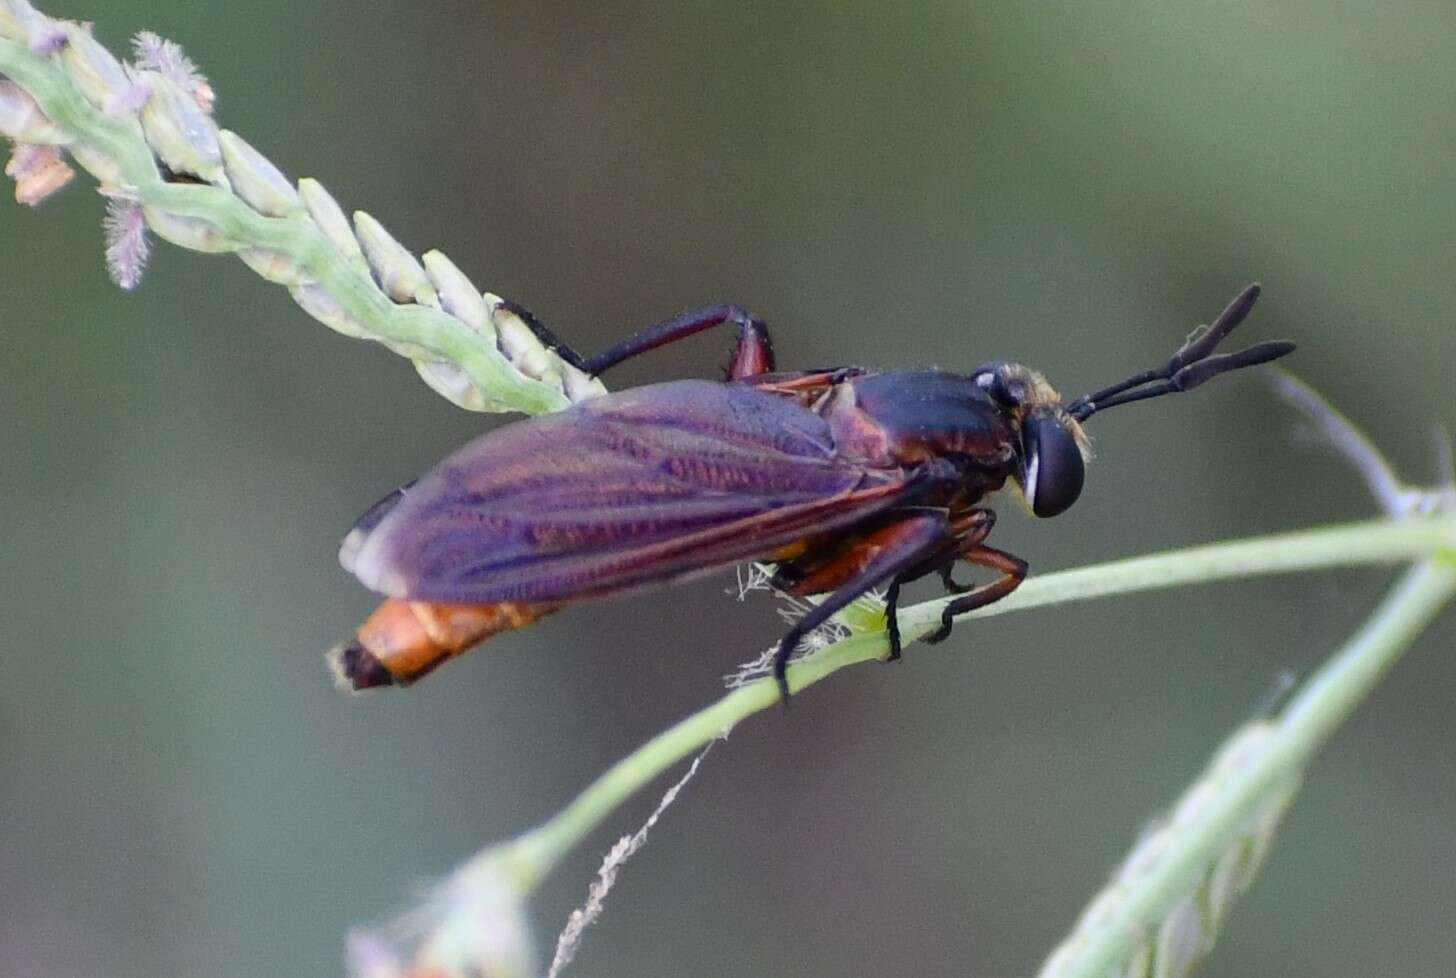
(846, 479)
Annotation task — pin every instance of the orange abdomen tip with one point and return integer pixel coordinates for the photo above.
(404, 640)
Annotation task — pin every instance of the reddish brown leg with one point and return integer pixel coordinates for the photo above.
(970, 530)
(806, 385)
(965, 533)
(752, 355)
(899, 548)
(1013, 571)
(822, 573)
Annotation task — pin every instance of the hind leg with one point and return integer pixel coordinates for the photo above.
(752, 354)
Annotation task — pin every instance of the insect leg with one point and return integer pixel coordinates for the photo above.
(948, 581)
(752, 355)
(970, 530)
(892, 617)
(805, 383)
(1013, 572)
(912, 542)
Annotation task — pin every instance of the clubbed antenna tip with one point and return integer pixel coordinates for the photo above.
(1193, 363)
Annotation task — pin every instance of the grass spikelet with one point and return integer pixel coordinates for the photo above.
(146, 132)
(1173, 946)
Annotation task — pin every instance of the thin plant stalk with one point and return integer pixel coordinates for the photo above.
(1258, 775)
(533, 855)
(1161, 912)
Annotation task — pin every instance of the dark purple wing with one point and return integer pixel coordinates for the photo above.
(642, 487)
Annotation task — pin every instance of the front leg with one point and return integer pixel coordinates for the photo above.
(948, 581)
(752, 354)
(1013, 572)
(970, 530)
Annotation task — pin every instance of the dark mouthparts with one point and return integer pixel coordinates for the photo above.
(1193, 364)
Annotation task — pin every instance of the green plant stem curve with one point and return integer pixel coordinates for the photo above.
(1104, 945)
(532, 856)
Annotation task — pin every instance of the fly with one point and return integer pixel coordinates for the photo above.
(846, 479)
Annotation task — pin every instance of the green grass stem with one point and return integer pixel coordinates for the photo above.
(533, 855)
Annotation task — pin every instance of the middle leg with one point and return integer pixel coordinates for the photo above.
(892, 617)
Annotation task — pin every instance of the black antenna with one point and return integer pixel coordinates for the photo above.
(1193, 364)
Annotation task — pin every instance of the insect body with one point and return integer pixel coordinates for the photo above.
(846, 479)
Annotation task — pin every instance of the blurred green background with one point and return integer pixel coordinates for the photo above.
(183, 793)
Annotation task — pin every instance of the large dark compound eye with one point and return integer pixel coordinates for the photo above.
(1053, 473)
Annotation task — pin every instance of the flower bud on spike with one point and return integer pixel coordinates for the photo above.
(255, 179)
(453, 384)
(579, 386)
(521, 346)
(95, 70)
(10, 26)
(535, 361)
(398, 272)
(104, 168)
(319, 303)
(20, 21)
(272, 266)
(329, 217)
(156, 53)
(1182, 941)
(188, 232)
(180, 133)
(22, 120)
(48, 38)
(1141, 965)
(458, 296)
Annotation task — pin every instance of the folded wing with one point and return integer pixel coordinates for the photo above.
(643, 487)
